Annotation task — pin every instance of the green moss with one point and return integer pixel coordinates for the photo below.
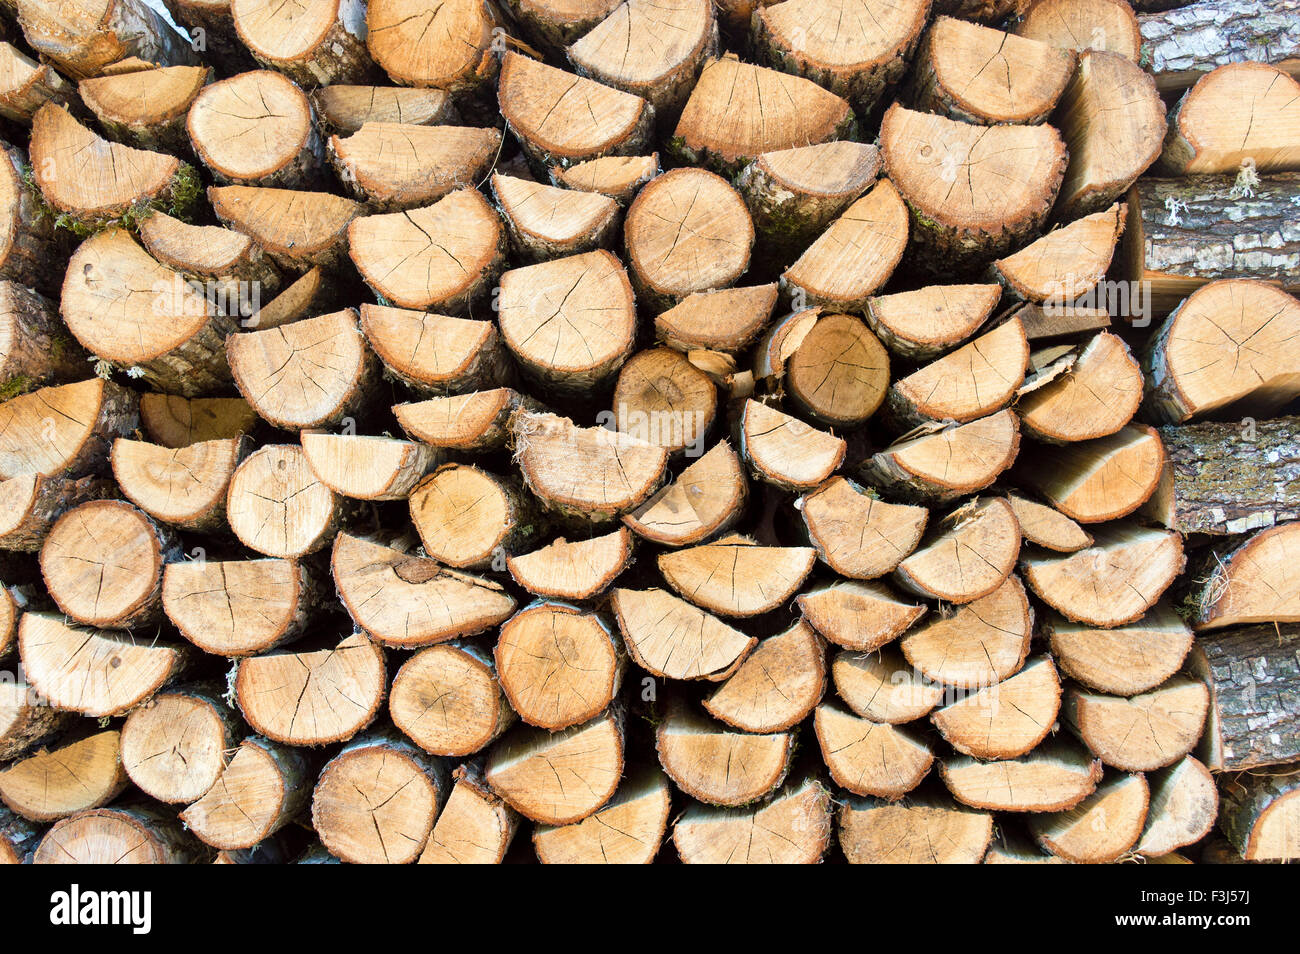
(18, 384)
(187, 189)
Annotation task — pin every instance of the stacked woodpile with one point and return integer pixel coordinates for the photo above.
(697, 430)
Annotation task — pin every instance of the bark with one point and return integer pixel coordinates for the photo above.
(1180, 45)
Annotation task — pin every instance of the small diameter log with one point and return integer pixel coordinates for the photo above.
(435, 354)
(967, 555)
(277, 506)
(262, 789)
(175, 746)
(1259, 814)
(1097, 480)
(18, 838)
(402, 263)
(961, 222)
(979, 644)
(734, 576)
(477, 421)
(974, 381)
(446, 699)
(718, 765)
(102, 564)
(1066, 263)
(738, 111)
(1007, 719)
(238, 607)
(95, 673)
(71, 777)
(547, 222)
(925, 831)
(858, 616)
(296, 229)
(1127, 660)
(35, 349)
(942, 465)
(578, 570)
(27, 238)
(1113, 122)
(1054, 777)
(870, 758)
(923, 324)
(669, 637)
(367, 468)
(376, 801)
(314, 45)
(857, 534)
(725, 319)
(1114, 581)
(174, 421)
(1045, 527)
(1101, 828)
(882, 688)
(855, 255)
(134, 312)
(558, 778)
(662, 398)
(661, 72)
(628, 830)
(1184, 807)
(687, 231)
(241, 273)
(1252, 674)
(308, 374)
(83, 38)
(707, 497)
(468, 518)
(314, 697)
(792, 827)
(184, 487)
(146, 108)
(406, 601)
(619, 177)
(1182, 44)
(1142, 733)
(1224, 349)
(784, 451)
(588, 473)
(448, 46)
(978, 75)
(1095, 397)
(95, 182)
(26, 85)
(1248, 582)
(554, 24)
(346, 109)
(777, 685)
(136, 835)
(806, 37)
(26, 719)
(66, 430)
(1083, 25)
(570, 323)
(474, 827)
(396, 166)
(560, 118)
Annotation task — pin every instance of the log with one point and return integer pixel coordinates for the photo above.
(396, 166)
(175, 746)
(345, 109)
(1184, 807)
(95, 673)
(978, 75)
(927, 830)
(400, 35)
(35, 349)
(147, 108)
(1010, 850)
(1186, 358)
(1106, 156)
(553, 25)
(1066, 263)
(628, 830)
(1044, 527)
(468, 518)
(735, 576)
(26, 721)
(239, 608)
(882, 687)
(1055, 777)
(723, 319)
(570, 323)
(1014, 173)
(295, 229)
(670, 638)
(792, 827)
(135, 835)
(1127, 660)
(376, 801)
(27, 232)
(1101, 828)
(777, 685)
(706, 498)
(547, 221)
(313, 45)
(806, 38)
(558, 778)
(474, 827)
(921, 325)
(73, 776)
(1132, 565)
(403, 265)
(232, 268)
(857, 534)
(65, 430)
(662, 398)
(27, 84)
(184, 487)
(309, 374)
(83, 37)
(1105, 25)
(1180, 45)
(261, 790)
(1244, 582)
(1007, 719)
(939, 465)
(367, 468)
(435, 354)
(312, 697)
(211, 27)
(1052, 320)
(784, 451)
(619, 177)
(406, 601)
(477, 421)
(870, 758)
(277, 506)
(738, 111)
(18, 838)
(966, 555)
(717, 765)
(1251, 673)
(446, 699)
(979, 644)
(1142, 733)
(1097, 395)
(858, 616)
(1258, 814)
(173, 421)
(102, 564)
(578, 570)
(1096, 480)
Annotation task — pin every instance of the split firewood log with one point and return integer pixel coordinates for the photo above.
(554, 24)
(313, 45)
(448, 47)
(882, 687)
(174, 421)
(26, 721)
(136, 834)
(547, 221)
(777, 685)
(277, 506)
(1244, 582)
(65, 430)
(239, 608)
(734, 576)
(83, 37)
(345, 109)
(184, 487)
(979, 644)
(27, 84)
(618, 177)
(723, 319)
(871, 758)
(368, 468)
(1054, 777)
(718, 765)
(662, 398)
(146, 108)
(1095, 396)
(312, 293)
(1045, 527)
(1181, 44)
(628, 830)
(1184, 807)
(262, 789)
(396, 166)
(1258, 814)
(73, 776)
(858, 616)
(175, 746)
(1108, 25)
(28, 242)
(1099, 829)
(35, 349)
(966, 555)
(857, 534)
(782, 450)
(474, 827)
(1055, 320)
(577, 570)
(476, 421)
(1141, 733)
(1007, 719)
(673, 639)
(941, 463)
(1102, 479)
(706, 498)
(296, 229)
(230, 259)
(1066, 263)
(923, 324)
(435, 354)
(924, 830)
(1126, 660)
(792, 827)
(448, 701)
(1013, 850)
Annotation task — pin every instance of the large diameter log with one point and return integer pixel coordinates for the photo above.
(175, 746)
(83, 37)
(296, 229)
(27, 240)
(136, 835)
(1247, 581)
(1259, 814)
(238, 607)
(717, 765)
(1182, 44)
(923, 831)
(1101, 828)
(262, 788)
(792, 827)
(35, 349)
(67, 430)
(314, 45)
(475, 825)
(277, 506)
(146, 108)
(448, 701)
(671, 638)
(449, 46)
(73, 776)
(629, 829)
(1126, 660)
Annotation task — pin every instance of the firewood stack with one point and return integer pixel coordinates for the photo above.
(625, 432)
